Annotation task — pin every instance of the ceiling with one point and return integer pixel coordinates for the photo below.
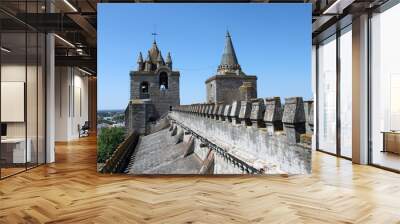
(75, 22)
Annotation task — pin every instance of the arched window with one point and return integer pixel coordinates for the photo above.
(163, 80)
(144, 87)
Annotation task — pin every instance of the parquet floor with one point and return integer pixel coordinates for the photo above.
(71, 191)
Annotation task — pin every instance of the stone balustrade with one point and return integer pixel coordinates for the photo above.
(120, 158)
(260, 133)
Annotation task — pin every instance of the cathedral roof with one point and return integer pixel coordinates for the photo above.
(154, 59)
(229, 62)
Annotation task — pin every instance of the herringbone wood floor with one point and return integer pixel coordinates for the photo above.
(71, 191)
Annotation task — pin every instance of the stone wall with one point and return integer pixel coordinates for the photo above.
(214, 159)
(137, 114)
(226, 88)
(249, 136)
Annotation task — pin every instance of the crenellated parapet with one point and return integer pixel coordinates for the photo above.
(261, 133)
(235, 110)
(309, 113)
(268, 113)
(273, 114)
(294, 119)
(227, 112)
(244, 114)
(257, 113)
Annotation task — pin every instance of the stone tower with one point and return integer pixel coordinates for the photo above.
(230, 83)
(154, 90)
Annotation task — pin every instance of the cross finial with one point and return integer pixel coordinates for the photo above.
(154, 36)
(154, 33)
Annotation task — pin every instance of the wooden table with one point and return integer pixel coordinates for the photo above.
(391, 141)
(13, 150)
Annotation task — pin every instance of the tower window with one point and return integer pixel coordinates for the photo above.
(163, 80)
(144, 87)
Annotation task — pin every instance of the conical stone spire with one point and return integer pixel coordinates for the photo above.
(148, 64)
(160, 58)
(148, 57)
(154, 52)
(168, 61)
(229, 62)
(140, 62)
(140, 58)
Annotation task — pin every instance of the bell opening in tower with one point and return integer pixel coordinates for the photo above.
(163, 81)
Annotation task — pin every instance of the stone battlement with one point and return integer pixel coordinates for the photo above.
(262, 133)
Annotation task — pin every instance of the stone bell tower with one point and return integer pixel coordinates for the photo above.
(154, 89)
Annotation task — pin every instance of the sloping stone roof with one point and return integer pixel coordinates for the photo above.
(157, 153)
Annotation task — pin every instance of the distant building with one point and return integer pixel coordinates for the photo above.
(101, 126)
(154, 90)
(230, 83)
(122, 124)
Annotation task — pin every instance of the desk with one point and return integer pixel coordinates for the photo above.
(391, 141)
(13, 150)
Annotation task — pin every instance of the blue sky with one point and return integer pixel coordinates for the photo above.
(272, 41)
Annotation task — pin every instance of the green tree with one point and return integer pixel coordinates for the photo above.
(107, 142)
(119, 117)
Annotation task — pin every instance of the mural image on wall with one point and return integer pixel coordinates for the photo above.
(183, 108)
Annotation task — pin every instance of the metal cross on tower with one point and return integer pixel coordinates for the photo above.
(154, 33)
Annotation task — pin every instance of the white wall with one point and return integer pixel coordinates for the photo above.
(17, 72)
(33, 126)
(71, 102)
(10, 73)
